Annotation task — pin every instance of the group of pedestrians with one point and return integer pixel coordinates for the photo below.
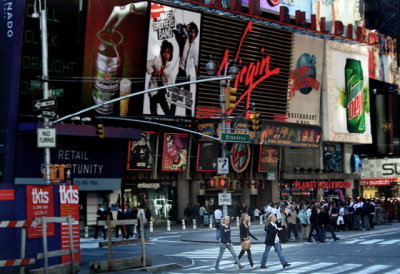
(195, 212)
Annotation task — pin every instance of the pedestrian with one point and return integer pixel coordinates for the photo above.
(217, 222)
(272, 239)
(341, 223)
(226, 243)
(292, 223)
(129, 215)
(314, 223)
(304, 216)
(120, 216)
(141, 216)
(196, 211)
(257, 214)
(101, 215)
(202, 211)
(325, 224)
(282, 223)
(187, 212)
(245, 235)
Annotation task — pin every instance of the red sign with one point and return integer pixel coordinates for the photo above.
(240, 157)
(7, 194)
(377, 182)
(39, 202)
(69, 206)
(321, 184)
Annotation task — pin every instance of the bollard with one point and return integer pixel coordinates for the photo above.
(168, 225)
(151, 226)
(86, 232)
(194, 224)
(210, 225)
(183, 224)
(261, 221)
(237, 221)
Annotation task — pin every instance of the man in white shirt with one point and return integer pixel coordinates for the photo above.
(217, 221)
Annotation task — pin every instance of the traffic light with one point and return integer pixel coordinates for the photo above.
(230, 98)
(100, 131)
(254, 119)
(219, 182)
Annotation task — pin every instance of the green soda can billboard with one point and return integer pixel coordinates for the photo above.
(354, 84)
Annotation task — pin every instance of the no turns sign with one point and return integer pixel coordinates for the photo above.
(46, 137)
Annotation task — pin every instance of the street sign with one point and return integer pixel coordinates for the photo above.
(235, 137)
(44, 104)
(48, 113)
(224, 199)
(46, 137)
(59, 92)
(223, 166)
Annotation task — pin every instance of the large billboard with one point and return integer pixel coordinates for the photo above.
(274, 6)
(113, 56)
(172, 57)
(305, 80)
(346, 97)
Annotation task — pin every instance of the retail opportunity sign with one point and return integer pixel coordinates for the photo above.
(69, 207)
(346, 99)
(39, 202)
(172, 57)
(305, 80)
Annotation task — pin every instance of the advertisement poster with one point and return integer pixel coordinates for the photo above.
(113, 56)
(39, 202)
(347, 100)
(305, 80)
(175, 152)
(346, 11)
(69, 207)
(207, 156)
(141, 152)
(292, 5)
(172, 57)
(268, 159)
(333, 158)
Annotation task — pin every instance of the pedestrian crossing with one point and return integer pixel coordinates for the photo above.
(369, 242)
(300, 267)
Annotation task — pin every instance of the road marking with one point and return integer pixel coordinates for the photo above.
(278, 266)
(394, 271)
(311, 267)
(372, 269)
(339, 269)
(372, 241)
(389, 242)
(351, 241)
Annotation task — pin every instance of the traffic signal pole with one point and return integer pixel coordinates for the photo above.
(222, 102)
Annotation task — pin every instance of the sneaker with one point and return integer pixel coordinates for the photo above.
(216, 267)
(337, 239)
(263, 267)
(286, 265)
(239, 266)
(255, 266)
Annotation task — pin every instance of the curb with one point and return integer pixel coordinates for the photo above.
(159, 268)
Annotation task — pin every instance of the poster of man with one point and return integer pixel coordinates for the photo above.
(269, 157)
(207, 156)
(140, 154)
(175, 152)
(172, 57)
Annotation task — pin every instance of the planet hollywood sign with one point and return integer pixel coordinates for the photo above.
(321, 184)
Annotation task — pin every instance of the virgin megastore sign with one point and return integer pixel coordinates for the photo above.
(381, 168)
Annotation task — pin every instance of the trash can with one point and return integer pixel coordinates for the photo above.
(206, 220)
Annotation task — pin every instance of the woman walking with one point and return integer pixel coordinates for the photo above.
(245, 235)
(272, 239)
(226, 243)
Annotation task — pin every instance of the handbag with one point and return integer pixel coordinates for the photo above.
(246, 245)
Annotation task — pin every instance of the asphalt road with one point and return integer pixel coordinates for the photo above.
(363, 252)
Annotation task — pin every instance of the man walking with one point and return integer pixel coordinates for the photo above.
(101, 215)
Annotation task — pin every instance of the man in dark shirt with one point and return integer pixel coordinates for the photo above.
(101, 215)
(324, 224)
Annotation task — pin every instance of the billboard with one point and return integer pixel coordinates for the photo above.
(113, 55)
(305, 80)
(207, 156)
(39, 202)
(268, 159)
(141, 152)
(381, 168)
(175, 152)
(346, 100)
(172, 57)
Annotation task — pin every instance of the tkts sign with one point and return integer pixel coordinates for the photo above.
(263, 55)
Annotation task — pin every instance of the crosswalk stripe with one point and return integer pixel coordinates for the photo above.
(389, 242)
(371, 241)
(278, 266)
(372, 269)
(351, 241)
(394, 271)
(339, 269)
(311, 267)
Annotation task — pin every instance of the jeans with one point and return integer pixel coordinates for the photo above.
(217, 226)
(322, 233)
(366, 222)
(293, 228)
(357, 222)
(278, 249)
(248, 256)
(313, 227)
(222, 248)
(102, 228)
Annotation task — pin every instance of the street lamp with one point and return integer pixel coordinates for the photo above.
(232, 70)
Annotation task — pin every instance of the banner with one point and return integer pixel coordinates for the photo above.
(172, 57)
(69, 207)
(207, 156)
(305, 80)
(268, 159)
(141, 152)
(39, 202)
(380, 168)
(346, 100)
(114, 44)
(175, 152)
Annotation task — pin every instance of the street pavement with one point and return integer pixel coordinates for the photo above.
(375, 251)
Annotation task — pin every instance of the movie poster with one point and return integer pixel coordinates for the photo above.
(141, 152)
(305, 80)
(207, 156)
(175, 152)
(172, 57)
(269, 157)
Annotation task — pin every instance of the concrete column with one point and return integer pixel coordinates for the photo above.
(275, 191)
(182, 194)
(194, 191)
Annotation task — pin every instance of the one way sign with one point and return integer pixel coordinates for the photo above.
(44, 104)
(223, 166)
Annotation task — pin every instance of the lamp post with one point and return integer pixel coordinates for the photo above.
(233, 70)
